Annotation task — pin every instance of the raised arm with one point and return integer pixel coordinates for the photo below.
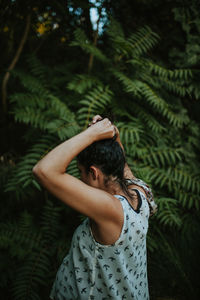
(51, 172)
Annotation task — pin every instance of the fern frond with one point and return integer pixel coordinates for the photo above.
(182, 74)
(25, 221)
(168, 212)
(22, 176)
(176, 119)
(115, 30)
(129, 133)
(174, 178)
(31, 116)
(57, 118)
(63, 123)
(130, 85)
(187, 180)
(175, 87)
(38, 70)
(32, 84)
(50, 222)
(142, 41)
(83, 82)
(73, 169)
(117, 38)
(135, 45)
(19, 240)
(143, 91)
(31, 274)
(95, 102)
(81, 40)
(152, 123)
(160, 156)
(23, 100)
(187, 199)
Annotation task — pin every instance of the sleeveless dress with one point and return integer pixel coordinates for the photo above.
(117, 271)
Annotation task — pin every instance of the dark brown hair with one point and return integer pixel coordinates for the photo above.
(109, 157)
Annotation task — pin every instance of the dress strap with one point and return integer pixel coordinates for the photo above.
(148, 192)
(139, 203)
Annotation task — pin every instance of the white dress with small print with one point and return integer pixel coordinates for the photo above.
(100, 272)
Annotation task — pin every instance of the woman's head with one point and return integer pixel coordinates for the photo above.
(107, 155)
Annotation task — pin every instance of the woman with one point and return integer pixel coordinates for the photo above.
(107, 258)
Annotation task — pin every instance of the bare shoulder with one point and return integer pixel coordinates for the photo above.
(132, 187)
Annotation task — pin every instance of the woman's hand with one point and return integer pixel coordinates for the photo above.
(95, 119)
(102, 128)
(98, 118)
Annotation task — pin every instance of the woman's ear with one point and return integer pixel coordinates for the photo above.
(94, 172)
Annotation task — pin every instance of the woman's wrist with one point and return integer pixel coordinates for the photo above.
(91, 134)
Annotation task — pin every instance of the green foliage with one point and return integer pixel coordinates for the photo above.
(81, 40)
(22, 177)
(82, 82)
(169, 212)
(94, 103)
(188, 18)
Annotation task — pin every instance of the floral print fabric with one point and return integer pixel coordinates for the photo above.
(118, 271)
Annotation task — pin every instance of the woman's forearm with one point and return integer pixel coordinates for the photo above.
(128, 174)
(59, 158)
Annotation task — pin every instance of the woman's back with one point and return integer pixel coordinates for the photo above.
(118, 271)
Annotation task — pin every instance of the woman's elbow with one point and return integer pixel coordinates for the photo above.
(38, 171)
(42, 172)
(44, 175)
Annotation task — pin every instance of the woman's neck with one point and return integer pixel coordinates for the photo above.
(114, 188)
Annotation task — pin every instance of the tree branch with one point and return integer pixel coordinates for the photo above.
(96, 34)
(13, 63)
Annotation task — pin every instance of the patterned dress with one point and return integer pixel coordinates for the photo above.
(118, 271)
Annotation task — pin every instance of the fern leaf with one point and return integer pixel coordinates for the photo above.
(130, 85)
(21, 175)
(168, 213)
(129, 133)
(94, 103)
(32, 84)
(142, 41)
(83, 82)
(81, 40)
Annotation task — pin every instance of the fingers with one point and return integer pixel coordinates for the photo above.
(107, 125)
(110, 126)
(103, 128)
(95, 119)
(105, 121)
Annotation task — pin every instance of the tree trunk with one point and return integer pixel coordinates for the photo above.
(96, 34)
